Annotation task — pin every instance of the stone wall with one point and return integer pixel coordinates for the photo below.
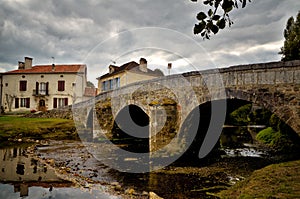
(274, 86)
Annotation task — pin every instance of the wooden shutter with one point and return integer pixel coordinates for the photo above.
(54, 102)
(28, 102)
(66, 101)
(36, 88)
(61, 85)
(47, 88)
(16, 102)
(23, 85)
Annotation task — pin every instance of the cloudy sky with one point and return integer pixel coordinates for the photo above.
(103, 32)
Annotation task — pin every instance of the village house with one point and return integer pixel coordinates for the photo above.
(128, 73)
(44, 87)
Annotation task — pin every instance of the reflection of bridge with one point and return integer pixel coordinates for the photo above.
(169, 103)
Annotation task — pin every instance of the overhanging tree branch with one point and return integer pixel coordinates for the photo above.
(217, 17)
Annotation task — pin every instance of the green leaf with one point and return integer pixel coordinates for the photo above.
(209, 24)
(216, 17)
(221, 23)
(210, 12)
(227, 5)
(199, 27)
(201, 16)
(244, 3)
(215, 29)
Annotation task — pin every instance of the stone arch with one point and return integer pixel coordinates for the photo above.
(130, 129)
(277, 102)
(195, 128)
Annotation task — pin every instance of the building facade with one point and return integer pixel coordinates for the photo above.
(43, 87)
(128, 73)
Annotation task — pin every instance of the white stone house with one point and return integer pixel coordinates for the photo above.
(128, 73)
(43, 87)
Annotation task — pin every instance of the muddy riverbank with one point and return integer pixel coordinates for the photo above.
(73, 162)
(78, 172)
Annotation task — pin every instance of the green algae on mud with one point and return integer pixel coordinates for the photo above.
(13, 128)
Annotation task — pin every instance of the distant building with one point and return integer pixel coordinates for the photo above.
(43, 87)
(128, 73)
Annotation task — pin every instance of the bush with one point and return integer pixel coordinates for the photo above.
(266, 135)
(240, 116)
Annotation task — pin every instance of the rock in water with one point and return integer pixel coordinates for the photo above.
(153, 195)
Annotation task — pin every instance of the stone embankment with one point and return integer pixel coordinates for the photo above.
(65, 113)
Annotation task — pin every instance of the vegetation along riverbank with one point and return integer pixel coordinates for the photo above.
(276, 180)
(14, 128)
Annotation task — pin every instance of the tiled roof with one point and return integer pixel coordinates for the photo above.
(120, 69)
(72, 68)
(132, 66)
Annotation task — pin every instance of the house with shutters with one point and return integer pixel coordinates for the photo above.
(127, 73)
(43, 87)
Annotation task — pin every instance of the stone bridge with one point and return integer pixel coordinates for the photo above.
(166, 111)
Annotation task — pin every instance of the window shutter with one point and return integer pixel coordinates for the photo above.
(28, 102)
(47, 88)
(23, 85)
(16, 102)
(54, 102)
(36, 88)
(66, 101)
(61, 85)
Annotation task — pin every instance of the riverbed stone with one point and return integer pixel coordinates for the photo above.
(153, 195)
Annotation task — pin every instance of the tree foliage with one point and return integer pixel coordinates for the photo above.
(291, 47)
(217, 17)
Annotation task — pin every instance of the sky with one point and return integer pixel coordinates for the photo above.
(103, 32)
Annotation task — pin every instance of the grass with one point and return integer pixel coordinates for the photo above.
(16, 127)
(274, 181)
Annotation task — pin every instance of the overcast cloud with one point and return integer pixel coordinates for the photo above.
(98, 32)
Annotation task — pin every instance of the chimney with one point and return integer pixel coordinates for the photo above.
(143, 65)
(21, 65)
(28, 62)
(53, 67)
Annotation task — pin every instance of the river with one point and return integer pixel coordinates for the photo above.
(27, 172)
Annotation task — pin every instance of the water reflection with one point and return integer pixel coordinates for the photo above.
(8, 191)
(23, 176)
(17, 166)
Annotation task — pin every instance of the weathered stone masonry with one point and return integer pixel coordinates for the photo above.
(168, 100)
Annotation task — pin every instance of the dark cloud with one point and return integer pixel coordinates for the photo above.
(76, 31)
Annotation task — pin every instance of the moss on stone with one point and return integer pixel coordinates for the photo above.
(266, 135)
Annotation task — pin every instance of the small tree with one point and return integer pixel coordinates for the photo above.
(10, 100)
(291, 47)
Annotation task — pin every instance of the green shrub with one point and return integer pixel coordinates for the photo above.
(240, 116)
(266, 135)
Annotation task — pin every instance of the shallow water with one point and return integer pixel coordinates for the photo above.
(22, 175)
(175, 181)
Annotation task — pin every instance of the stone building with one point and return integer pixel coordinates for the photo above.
(43, 87)
(128, 73)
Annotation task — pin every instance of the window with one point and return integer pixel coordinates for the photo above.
(23, 85)
(22, 102)
(104, 86)
(111, 84)
(117, 82)
(61, 85)
(41, 88)
(60, 102)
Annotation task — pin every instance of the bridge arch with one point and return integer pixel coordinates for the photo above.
(130, 129)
